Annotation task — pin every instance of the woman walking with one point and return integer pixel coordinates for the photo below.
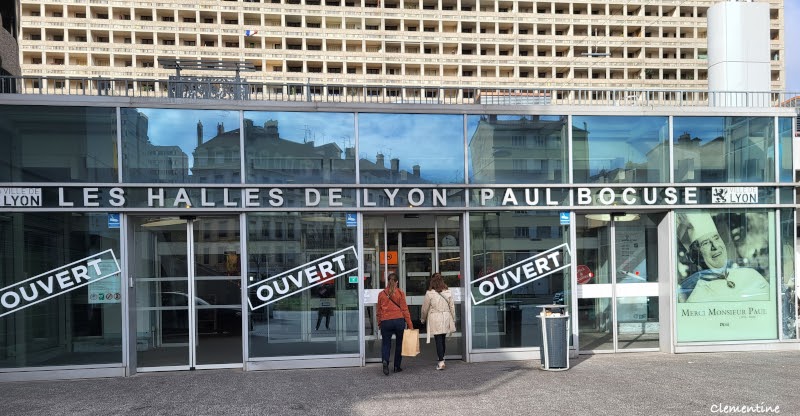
(440, 313)
(393, 316)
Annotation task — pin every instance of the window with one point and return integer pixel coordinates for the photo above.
(521, 232)
(147, 41)
(167, 19)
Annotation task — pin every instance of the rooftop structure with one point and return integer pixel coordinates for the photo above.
(467, 44)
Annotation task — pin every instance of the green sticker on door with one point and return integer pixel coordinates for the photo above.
(352, 279)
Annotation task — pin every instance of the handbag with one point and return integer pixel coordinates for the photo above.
(410, 343)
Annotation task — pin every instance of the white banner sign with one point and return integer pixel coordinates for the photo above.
(521, 273)
(57, 282)
(304, 277)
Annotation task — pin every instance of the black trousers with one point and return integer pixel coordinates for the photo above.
(439, 339)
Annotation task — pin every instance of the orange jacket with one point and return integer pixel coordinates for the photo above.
(386, 309)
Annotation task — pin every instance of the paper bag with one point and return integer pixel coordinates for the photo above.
(410, 343)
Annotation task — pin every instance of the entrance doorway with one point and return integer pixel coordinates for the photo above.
(620, 259)
(414, 246)
(186, 274)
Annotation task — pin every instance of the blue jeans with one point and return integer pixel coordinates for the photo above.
(388, 328)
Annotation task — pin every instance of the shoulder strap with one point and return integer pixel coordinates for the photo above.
(448, 304)
(390, 298)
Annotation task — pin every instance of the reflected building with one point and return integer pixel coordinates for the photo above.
(146, 162)
(526, 150)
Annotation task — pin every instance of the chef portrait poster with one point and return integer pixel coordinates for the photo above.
(726, 275)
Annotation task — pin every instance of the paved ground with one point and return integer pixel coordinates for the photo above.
(623, 384)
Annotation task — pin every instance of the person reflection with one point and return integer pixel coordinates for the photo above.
(326, 293)
(718, 279)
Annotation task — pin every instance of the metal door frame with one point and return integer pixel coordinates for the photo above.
(597, 291)
(191, 305)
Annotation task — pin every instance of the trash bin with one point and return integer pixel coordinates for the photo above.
(554, 352)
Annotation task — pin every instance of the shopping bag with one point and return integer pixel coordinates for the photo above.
(410, 343)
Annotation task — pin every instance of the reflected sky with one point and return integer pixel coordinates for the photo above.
(167, 127)
(704, 128)
(639, 134)
(432, 141)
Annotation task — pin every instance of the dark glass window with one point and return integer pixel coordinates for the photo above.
(58, 144)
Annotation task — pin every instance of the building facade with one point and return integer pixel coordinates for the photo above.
(458, 43)
(150, 235)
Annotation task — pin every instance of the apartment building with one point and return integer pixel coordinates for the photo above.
(460, 43)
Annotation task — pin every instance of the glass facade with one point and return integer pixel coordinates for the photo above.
(321, 320)
(50, 316)
(261, 236)
(420, 148)
(724, 149)
(506, 149)
(62, 144)
(180, 146)
(505, 248)
(618, 149)
(307, 148)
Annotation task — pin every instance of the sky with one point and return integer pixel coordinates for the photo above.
(792, 44)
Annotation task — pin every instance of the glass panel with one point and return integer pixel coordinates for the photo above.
(287, 327)
(788, 282)
(420, 148)
(726, 275)
(636, 249)
(723, 149)
(614, 149)
(503, 239)
(595, 325)
(510, 149)
(159, 267)
(592, 249)
(80, 143)
(180, 146)
(296, 147)
(218, 295)
(418, 270)
(785, 149)
(78, 327)
(637, 322)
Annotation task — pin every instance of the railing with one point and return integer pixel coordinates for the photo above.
(306, 91)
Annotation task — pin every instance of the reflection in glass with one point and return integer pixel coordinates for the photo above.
(420, 148)
(180, 146)
(218, 296)
(593, 250)
(75, 327)
(785, 149)
(723, 149)
(506, 149)
(788, 282)
(296, 147)
(637, 249)
(160, 270)
(595, 325)
(637, 322)
(499, 240)
(58, 144)
(616, 149)
(279, 242)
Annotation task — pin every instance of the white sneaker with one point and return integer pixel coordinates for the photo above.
(440, 366)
